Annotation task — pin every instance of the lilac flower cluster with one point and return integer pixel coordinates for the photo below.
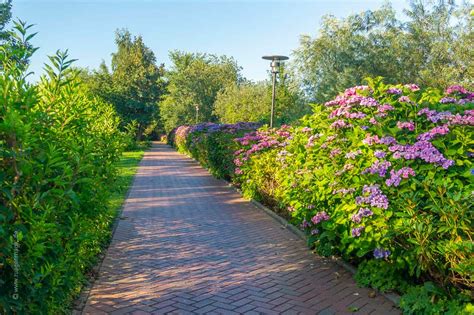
(380, 154)
(396, 176)
(305, 224)
(369, 101)
(394, 91)
(433, 115)
(439, 130)
(319, 217)
(362, 213)
(373, 121)
(422, 150)
(371, 140)
(456, 89)
(352, 155)
(380, 253)
(452, 119)
(410, 125)
(385, 108)
(378, 167)
(311, 140)
(404, 99)
(447, 100)
(412, 87)
(335, 152)
(375, 197)
(340, 124)
(356, 231)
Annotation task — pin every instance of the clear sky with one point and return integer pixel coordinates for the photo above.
(245, 30)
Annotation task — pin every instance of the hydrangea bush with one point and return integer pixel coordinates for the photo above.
(211, 144)
(382, 176)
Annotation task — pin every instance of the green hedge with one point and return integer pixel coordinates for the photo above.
(382, 176)
(58, 149)
(211, 144)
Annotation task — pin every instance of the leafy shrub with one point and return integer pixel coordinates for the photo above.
(430, 300)
(211, 144)
(381, 175)
(58, 148)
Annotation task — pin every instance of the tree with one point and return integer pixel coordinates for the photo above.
(248, 101)
(195, 80)
(5, 16)
(440, 42)
(433, 47)
(135, 83)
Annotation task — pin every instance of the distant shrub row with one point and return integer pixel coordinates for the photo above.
(382, 176)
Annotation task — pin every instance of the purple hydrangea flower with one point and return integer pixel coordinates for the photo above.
(320, 216)
(412, 87)
(406, 124)
(394, 91)
(404, 99)
(447, 100)
(356, 231)
(456, 89)
(396, 176)
(439, 130)
(375, 197)
(378, 167)
(380, 253)
(380, 154)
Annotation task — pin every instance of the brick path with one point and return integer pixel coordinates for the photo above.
(188, 244)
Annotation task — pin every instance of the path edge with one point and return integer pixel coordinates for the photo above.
(80, 302)
(391, 296)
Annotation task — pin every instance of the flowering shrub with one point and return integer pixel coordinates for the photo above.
(391, 167)
(381, 174)
(211, 144)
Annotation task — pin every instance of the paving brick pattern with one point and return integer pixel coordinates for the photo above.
(188, 244)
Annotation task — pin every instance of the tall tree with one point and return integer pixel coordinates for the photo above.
(5, 16)
(433, 47)
(248, 101)
(195, 80)
(134, 84)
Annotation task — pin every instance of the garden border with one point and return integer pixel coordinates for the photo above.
(80, 302)
(393, 297)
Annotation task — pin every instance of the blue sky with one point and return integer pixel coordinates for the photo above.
(245, 30)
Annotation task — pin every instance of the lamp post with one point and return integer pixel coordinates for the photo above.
(275, 65)
(197, 112)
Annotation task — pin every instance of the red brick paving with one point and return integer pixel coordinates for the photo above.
(188, 244)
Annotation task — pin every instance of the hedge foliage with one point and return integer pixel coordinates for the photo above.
(58, 149)
(382, 176)
(211, 144)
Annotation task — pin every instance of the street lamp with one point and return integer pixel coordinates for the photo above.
(275, 65)
(197, 112)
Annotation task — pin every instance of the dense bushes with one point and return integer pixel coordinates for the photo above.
(211, 144)
(58, 147)
(383, 176)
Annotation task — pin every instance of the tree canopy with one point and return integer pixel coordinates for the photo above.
(248, 101)
(134, 84)
(195, 79)
(433, 47)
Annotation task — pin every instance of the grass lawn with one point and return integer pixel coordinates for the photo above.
(127, 167)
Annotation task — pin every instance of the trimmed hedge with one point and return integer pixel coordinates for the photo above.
(382, 176)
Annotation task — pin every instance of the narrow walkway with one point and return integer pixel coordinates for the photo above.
(188, 244)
